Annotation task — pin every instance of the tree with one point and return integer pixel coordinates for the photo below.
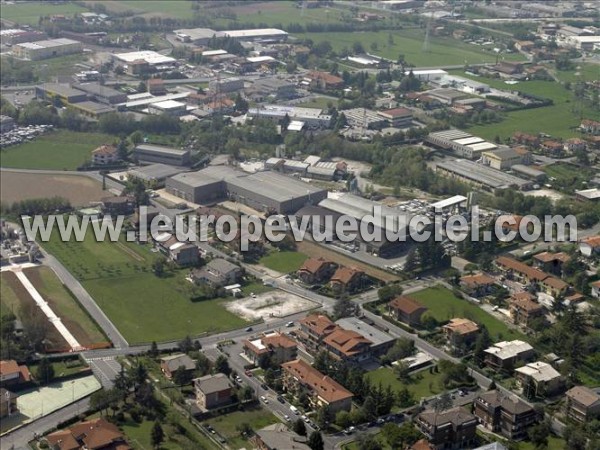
(369, 408)
(324, 416)
(203, 364)
(222, 365)
(367, 442)
(343, 307)
(538, 435)
(157, 436)
(315, 441)
(529, 389)
(300, 427)
(388, 292)
(186, 345)
(153, 352)
(181, 376)
(443, 402)
(241, 105)
(158, 266)
(402, 370)
(45, 371)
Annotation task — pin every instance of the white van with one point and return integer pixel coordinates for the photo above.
(294, 409)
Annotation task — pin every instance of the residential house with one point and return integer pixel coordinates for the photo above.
(279, 437)
(299, 376)
(182, 253)
(451, 429)
(596, 289)
(213, 391)
(8, 403)
(554, 286)
(589, 246)
(105, 154)
(552, 147)
(381, 341)
(12, 374)
(544, 378)
(218, 273)
(523, 309)
(509, 67)
(551, 262)
(172, 363)
(574, 145)
(276, 347)
(583, 404)
(590, 126)
(529, 140)
(95, 434)
(316, 270)
(509, 416)
(348, 279)
(119, 205)
(314, 328)
(506, 355)
(347, 345)
(324, 81)
(407, 310)
(461, 333)
(519, 271)
(477, 285)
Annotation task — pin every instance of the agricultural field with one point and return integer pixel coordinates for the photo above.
(319, 102)
(568, 177)
(284, 262)
(227, 425)
(47, 70)
(28, 13)
(409, 42)
(581, 71)
(80, 190)
(65, 306)
(443, 306)
(57, 150)
(142, 306)
(422, 384)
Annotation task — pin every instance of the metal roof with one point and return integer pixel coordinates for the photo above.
(482, 174)
(160, 149)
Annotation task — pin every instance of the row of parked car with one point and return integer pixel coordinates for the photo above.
(19, 135)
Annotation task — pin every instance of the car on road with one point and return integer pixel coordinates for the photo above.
(287, 418)
(264, 386)
(249, 329)
(289, 324)
(248, 373)
(349, 430)
(380, 421)
(264, 399)
(306, 419)
(294, 410)
(280, 399)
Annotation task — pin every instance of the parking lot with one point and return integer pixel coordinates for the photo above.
(19, 135)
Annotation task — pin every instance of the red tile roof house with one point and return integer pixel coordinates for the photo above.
(172, 363)
(406, 309)
(105, 154)
(325, 80)
(96, 434)
(277, 347)
(299, 376)
(12, 374)
(589, 246)
(348, 279)
(348, 345)
(550, 262)
(314, 328)
(316, 270)
(477, 285)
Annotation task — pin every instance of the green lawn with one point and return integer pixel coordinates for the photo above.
(443, 306)
(58, 150)
(29, 12)
(554, 443)
(423, 384)
(568, 178)
(9, 301)
(61, 368)
(284, 262)
(587, 72)
(383, 445)
(409, 42)
(177, 9)
(65, 306)
(142, 306)
(559, 119)
(227, 424)
(318, 102)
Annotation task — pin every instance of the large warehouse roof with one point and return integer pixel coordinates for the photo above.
(160, 149)
(151, 57)
(273, 185)
(195, 179)
(261, 32)
(482, 174)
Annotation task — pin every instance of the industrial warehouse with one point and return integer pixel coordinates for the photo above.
(481, 175)
(460, 143)
(263, 191)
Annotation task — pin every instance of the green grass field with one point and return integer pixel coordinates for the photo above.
(383, 445)
(58, 150)
(177, 9)
(423, 383)
(284, 262)
(554, 443)
(65, 306)
(559, 120)
(443, 305)
(9, 301)
(318, 102)
(568, 178)
(587, 72)
(142, 306)
(227, 424)
(29, 12)
(409, 42)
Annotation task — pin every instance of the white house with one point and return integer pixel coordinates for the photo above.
(589, 246)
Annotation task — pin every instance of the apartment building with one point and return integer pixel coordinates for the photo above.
(506, 415)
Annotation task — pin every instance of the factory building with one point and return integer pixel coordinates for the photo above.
(34, 51)
(226, 85)
(90, 109)
(155, 175)
(197, 36)
(481, 175)
(310, 117)
(13, 36)
(170, 107)
(462, 144)
(63, 92)
(102, 94)
(367, 118)
(262, 191)
(201, 36)
(397, 117)
(165, 155)
(502, 158)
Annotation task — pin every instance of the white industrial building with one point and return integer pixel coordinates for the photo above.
(460, 143)
(311, 117)
(50, 48)
(170, 107)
